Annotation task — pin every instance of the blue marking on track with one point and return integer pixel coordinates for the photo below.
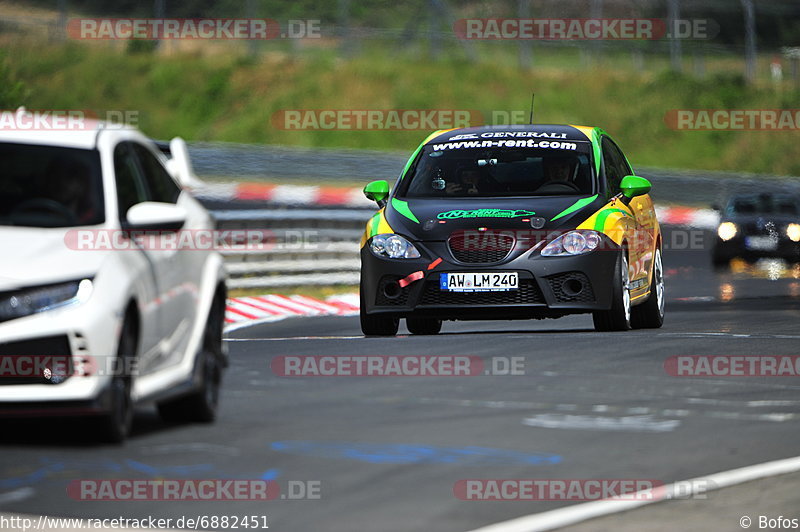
(48, 469)
(413, 454)
(270, 474)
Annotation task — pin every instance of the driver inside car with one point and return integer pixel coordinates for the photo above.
(469, 178)
(558, 171)
(68, 183)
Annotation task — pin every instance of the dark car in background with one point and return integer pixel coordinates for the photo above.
(754, 226)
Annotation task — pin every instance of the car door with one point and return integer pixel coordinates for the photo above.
(180, 267)
(639, 233)
(131, 190)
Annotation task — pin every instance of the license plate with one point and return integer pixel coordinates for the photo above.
(479, 282)
(761, 243)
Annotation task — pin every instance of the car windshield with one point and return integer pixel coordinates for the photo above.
(50, 186)
(498, 172)
(763, 204)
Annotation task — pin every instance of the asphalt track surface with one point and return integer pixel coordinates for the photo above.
(387, 452)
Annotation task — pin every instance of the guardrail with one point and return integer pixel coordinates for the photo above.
(304, 247)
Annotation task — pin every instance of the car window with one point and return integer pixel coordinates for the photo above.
(499, 172)
(50, 186)
(161, 187)
(130, 189)
(615, 166)
(763, 204)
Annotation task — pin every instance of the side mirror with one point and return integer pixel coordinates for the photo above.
(377, 191)
(155, 216)
(633, 186)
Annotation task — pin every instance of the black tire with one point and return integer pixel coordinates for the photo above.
(376, 325)
(202, 405)
(115, 425)
(618, 317)
(423, 325)
(650, 314)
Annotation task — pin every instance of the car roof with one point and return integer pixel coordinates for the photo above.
(565, 132)
(83, 133)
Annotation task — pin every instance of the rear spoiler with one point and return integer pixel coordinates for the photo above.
(178, 163)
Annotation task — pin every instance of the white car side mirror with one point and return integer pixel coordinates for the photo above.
(155, 216)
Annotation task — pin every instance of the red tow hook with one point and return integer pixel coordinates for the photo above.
(416, 276)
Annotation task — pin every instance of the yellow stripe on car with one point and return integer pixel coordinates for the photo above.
(377, 225)
(608, 220)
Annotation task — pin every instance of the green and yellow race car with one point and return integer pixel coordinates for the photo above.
(512, 222)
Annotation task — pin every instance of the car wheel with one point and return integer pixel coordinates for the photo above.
(115, 425)
(202, 404)
(376, 325)
(423, 325)
(650, 314)
(618, 317)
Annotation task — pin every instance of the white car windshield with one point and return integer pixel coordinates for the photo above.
(50, 186)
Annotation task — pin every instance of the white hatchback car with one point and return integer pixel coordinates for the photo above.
(94, 317)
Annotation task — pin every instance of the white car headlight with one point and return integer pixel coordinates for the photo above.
(793, 232)
(32, 300)
(727, 230)
(393, 246)
(575, 242)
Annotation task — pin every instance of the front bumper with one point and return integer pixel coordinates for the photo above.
(737, 247)
(84, 335)
(548, 286)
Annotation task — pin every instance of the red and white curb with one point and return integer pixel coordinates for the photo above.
(245, 311)
(286, 194)
(687, 217)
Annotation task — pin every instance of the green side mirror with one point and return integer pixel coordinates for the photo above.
(377, 191)
(633, 186)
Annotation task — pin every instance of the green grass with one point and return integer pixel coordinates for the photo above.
(228, 97)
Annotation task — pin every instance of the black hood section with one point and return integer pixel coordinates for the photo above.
(439, 218)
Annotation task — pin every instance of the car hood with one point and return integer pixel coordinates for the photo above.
(36, 256)
(437, 219)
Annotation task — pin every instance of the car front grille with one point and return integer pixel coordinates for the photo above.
(26, 361)
(572, 287)
(527, 294)
(473, 247)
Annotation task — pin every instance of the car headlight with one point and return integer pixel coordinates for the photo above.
(32, 300)
(393, 246)
(727, 230)
(575, 242)
(793, 232)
